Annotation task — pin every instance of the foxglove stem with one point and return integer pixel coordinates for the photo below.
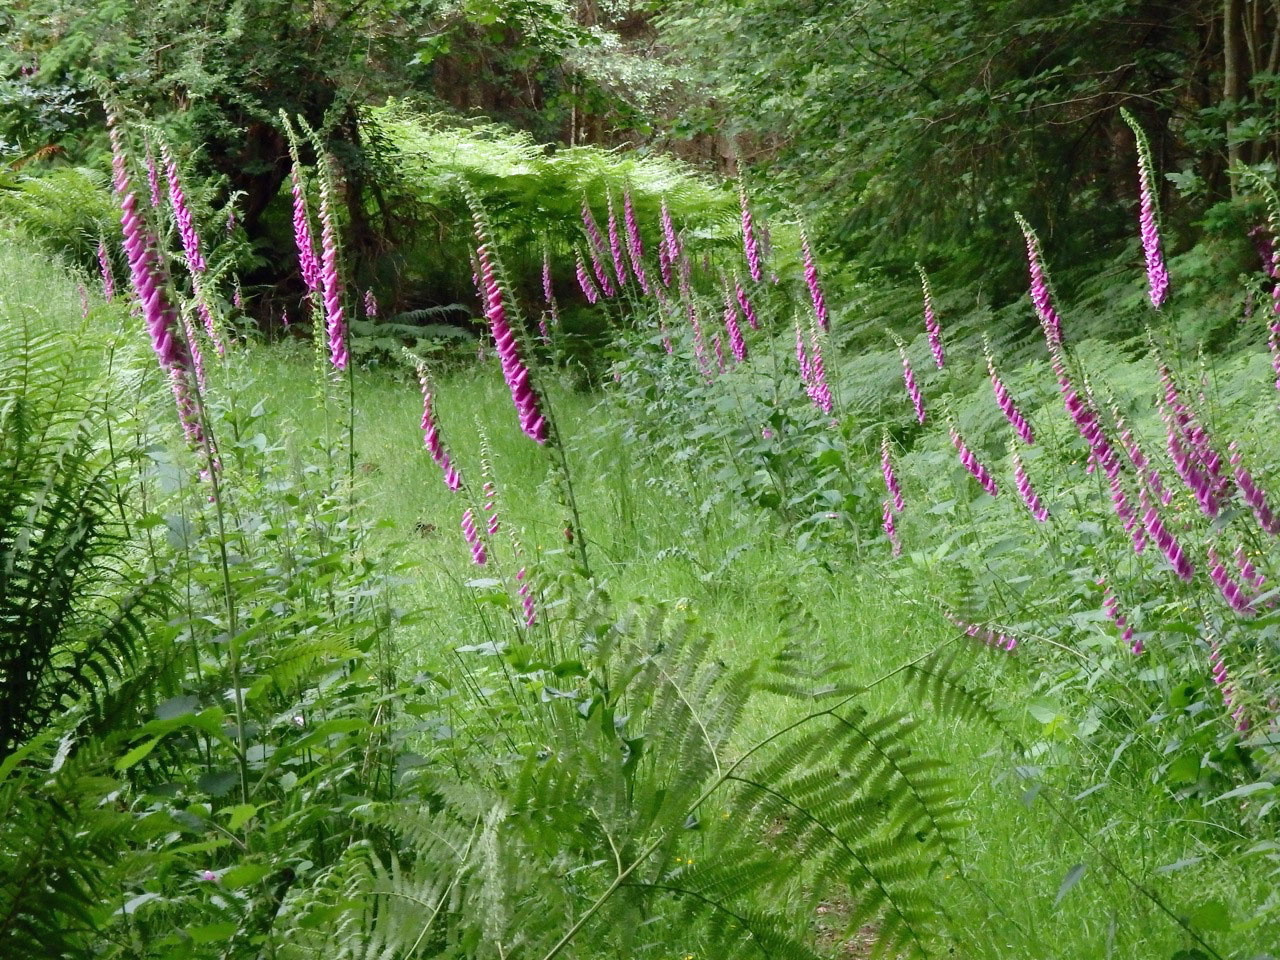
(635, 246)
(1041, 296)
(335, 321)
(931, 326)
(993, 638)
(890, 530)
(1223, 680)
(1185, 466)
(745, 303)
(1273, 341)
(187, 231)
(491, 507)
(672, 239)
(597, 249)
(1124, 510)
(909, 378)
(972, 464)
(1085, 416)
(104, 267)
(193, 345)
(1231, 591)
(811, 278)
(817, 387)
(1157, 274)
(431, 434)
(1027, 492)
(1005, 402)
(615, 245)
(890, 477)
(718, 349)
(472, 536)
(513, 369)
(584, 281)
(749, 245)
(153, 177)
(1252, 493)
(736, 342)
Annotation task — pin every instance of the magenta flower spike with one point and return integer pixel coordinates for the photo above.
(972, 464)
(1273, 340)
(890, 530)
(931, 325)
(1025, 491)
(736, 342)
(472, 536)
(744, 303)
(635, 245)
(1085, 416)
(1252, 493)
(153, 176)
(1141, 464)
(370, 304)
(197, 358)
(1222, 679)
(1163, 539)
(308, 265)
(598, 250)
(1231, 591)
(750, 246)
(1041, 297)
(818, 388)
(1247, 570)
(1005, 402)
(1124, 509)
(584, 281)
(699, 343)
(890, 477)
(1112, 606)
(237, 300)
(909, 378)
(672, 240)
(104, 267)
(330, 283)
(431, 434)
(802, 357)
(718, 349)
(993, 638)
(615, 245)
(187, 231)
(811, 278)
(514, 371)
(526, 597)
(1157, 273)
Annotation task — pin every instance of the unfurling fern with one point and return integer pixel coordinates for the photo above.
(642, 820)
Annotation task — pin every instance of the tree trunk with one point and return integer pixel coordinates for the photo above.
(1232, 75)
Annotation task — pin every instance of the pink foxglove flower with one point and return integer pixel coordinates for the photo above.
(431, 434)
(750, 246)
(972, 464)
(993, 638)
(1222, 678)
(745, 303)
(1112, 607)
(635, 246)
(815, 290)
(104, 267)
(931, 325)
(308, 265)
(1252, 493)
(370, 304)
(909, 378)
(813, 372)
(1027, 492)
(1273, 340)
(890, 477)
(699, 343)
(1247, 570)
(671, 239)
(584, 281)
(736, 342)
(598, 250)
(187, 231)
(526, 597)
(1162, 538)
(1124, 509)
(472, 536)
(890, 530)
(1157, 274)
(331, 284)
(153, 176)
(718, 349)
(491, 507)
(1232, 592)
(504, 341)
(1041, 297)
(615, 245)
(1005, 402)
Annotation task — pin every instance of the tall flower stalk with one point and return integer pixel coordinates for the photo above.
(815, 289)
(1041, 295)
(890, 531)
(750, 246)
(890, 477)
(196, 265)
(1222, 678)
(736, 342)
(1026, 491)
(431, 430)
(104, 268)
(615, 244)
(597, 248)
(1005, 402)
(1112, 607)
(1148, 217)
(745, 303)
(972, 464)
(635, 245)
(909, 379)
(330, 282)
(932, 328)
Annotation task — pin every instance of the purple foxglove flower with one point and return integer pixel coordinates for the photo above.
(526, 597)
(1139, 459)
(745, 303)
(370, 304)
(231, 220)
(1112, 607)
(1273, 343)
(1123, 507)
(818, 388)
(1253, 494)
(1232, 592)
(472, 536)
(909, 378)
(749, 245)
(1247, 570)
(1085, 416)
(718, 349)
(811, 278)
(491, 507)
(635, 246)
(699, 344)
(1006, 404)
(1041, 297)
(187, 231)
(615, 245)
(736, 342)
(584, 281)
(1222, 678)
(1187, 468)
(1266, 250)
(153, 176)
(237, 300)
(802, 358)
(308, 265)
(193, 345)
(672, 240)
(331, 284)
(431, 434)
(993, 638)
(890, 478)
(931, 326)
(513, 369)
(1163, 539)
(104, 267)
(1027, 492)
(1157, 274)
(890, 530)
(973, 465)
(597, 250)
